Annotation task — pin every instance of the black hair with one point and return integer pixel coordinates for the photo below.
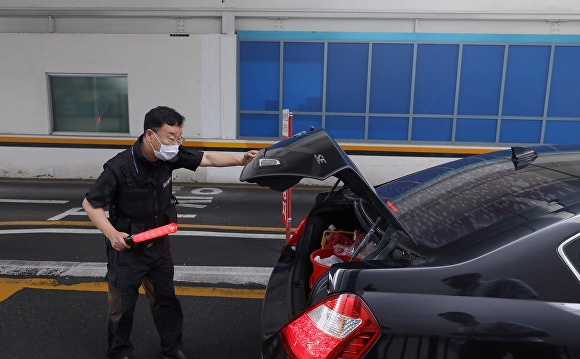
(161, 115)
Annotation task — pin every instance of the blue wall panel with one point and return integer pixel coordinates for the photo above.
(392, 71)
(562, 132)
(565, 86)
(303, 122)
(345, 127)
(347, 77)
(436, 76)
(481, 72)
(526, 78)
(432, 129)
(475, 130)
(259, 125)
(303, 73)
(526, 131)
(388, 128)
(259, 75)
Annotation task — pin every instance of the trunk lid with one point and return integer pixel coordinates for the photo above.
(313, 155)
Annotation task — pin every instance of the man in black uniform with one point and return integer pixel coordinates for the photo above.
(136, 185)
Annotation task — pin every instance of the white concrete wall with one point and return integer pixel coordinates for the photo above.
(180, 72)
(329, 7)
(26, 162)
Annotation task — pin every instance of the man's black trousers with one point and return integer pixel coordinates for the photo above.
(152, 267)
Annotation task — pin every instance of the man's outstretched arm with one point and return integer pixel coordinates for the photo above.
(217, 159)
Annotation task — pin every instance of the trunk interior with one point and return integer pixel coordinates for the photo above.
(336, 212)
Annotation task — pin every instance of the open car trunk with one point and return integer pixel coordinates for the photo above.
(293, 283)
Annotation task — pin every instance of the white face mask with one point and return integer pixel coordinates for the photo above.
(166, 152)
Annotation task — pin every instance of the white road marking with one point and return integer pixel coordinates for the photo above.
(206, 191)
(76, 211)
(230, 234)
(181, 204)
(35, 201)
(193, 201)
(179, 233)
(186, 274)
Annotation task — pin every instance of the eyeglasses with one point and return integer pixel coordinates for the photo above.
(170, 141)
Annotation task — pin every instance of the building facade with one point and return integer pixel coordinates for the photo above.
(402, 86)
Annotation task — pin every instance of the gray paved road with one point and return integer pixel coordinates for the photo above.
(53, 297)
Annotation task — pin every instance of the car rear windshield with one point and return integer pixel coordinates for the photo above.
(446, 203)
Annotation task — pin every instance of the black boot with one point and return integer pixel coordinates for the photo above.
(178, 354)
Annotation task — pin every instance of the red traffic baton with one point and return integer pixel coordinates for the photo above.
(152, 233)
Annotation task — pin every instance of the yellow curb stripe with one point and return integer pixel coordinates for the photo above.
(127, 142)
(6, 290)
(419, 149)
(48, 223)
(181, 226)
(220, 292)
(9, 286)
(240, 144)
(233, 228)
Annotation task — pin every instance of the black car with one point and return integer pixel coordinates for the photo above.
(475, 258)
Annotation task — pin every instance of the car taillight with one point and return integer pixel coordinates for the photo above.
(338, 327)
